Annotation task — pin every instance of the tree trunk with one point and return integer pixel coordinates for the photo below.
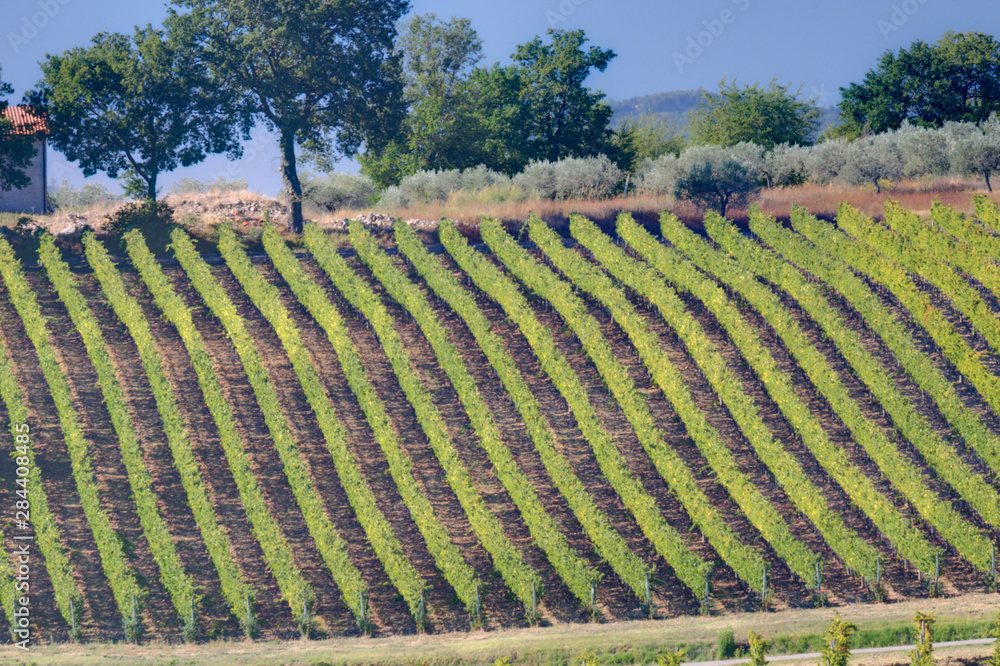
(989, 188)
(151, 187)
(293, 189)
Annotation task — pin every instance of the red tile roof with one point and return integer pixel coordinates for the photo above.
(25, 122)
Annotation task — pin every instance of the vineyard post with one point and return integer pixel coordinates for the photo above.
(362, 621)
(993, 566)
(304, 629)
(649, 599)
(479, 605)
(878, 569)
(763, 588)
(420, 613)
(72, 620)
(819, 579)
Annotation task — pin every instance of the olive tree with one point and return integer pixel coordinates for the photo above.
(871, 161)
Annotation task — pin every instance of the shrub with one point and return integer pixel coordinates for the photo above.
(784, 165)
(758, 648)
(153, 219)
(725, 644)
(339, 190)
(923, 652)
(924, 151)
(195, 186)
(65, 197)
(658, 176)
(393, 197)
(872, 160)
(824, 161)
(571, 178)
(836, 648)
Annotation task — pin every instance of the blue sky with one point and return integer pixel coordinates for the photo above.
(662, 45)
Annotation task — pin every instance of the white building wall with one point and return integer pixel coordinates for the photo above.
(32, 198)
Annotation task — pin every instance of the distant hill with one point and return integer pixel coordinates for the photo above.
(675, 106)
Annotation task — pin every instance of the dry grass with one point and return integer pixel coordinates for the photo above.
(821, 200)
(541, 645)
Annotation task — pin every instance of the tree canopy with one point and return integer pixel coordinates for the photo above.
(504, 117)
(323, 75)
(767, 116)
(135, 107)
(957, 78)
(16, 148)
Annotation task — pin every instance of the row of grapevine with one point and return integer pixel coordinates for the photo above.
(780, 386)
(267, 299)
(939, 454)
(573, 569)
(129, 312)
(968, 232)
(691, 570)
(901, 251)
(643, 280)
(43, 523)
(744, 560)
(609, 543)
(520, 578)
(884, 322)
(583, 275)
(177, 581)
(331, 546)
(124, 586)
(987, 211)
(446, 555)
(897, 468)
(881, 270)
(930, 242)
(277, 553)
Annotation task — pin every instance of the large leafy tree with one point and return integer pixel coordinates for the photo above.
(136, 107)
(564, 118)
(536, 108)
(765, 115)
(957, 78)
(16, 148)
(438, 58)
(321, 74)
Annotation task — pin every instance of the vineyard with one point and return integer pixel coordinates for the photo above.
(533, 428)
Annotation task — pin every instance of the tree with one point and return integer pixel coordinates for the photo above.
(16, 148)
(767, 116)
(979, 152)
(837, 643)
(438, 57)
(712, 177)
(957, 78)
(646, 137)
(563, 118)
(136, 107)
(322, 75)
(872, 161)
